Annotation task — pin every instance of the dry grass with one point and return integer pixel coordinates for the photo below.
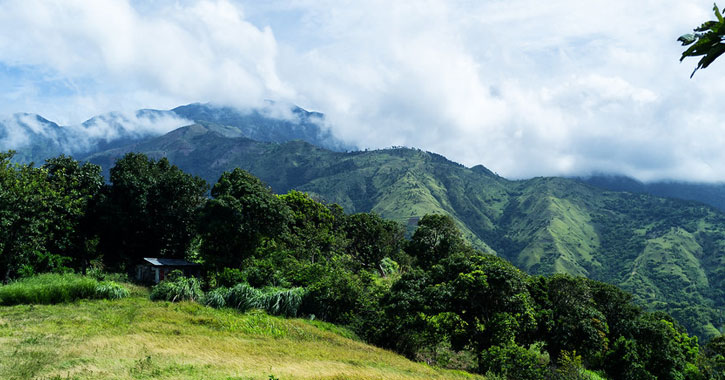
(138, 339)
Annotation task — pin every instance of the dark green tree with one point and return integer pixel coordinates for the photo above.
(25, 219)
(149, 210)
(310, 235)
(73, 208)
(243, 212)
(576, 324)
(372, 238)
(436, 238)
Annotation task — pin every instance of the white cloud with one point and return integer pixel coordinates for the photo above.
(523, 87)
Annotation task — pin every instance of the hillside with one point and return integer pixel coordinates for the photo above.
(668, 252)
(139, 339)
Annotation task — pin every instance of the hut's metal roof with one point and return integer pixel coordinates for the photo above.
(168, 262)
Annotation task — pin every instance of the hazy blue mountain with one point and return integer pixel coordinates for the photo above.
(712, 194)
(272, 123)
(35, 138)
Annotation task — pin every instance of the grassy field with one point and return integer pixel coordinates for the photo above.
(135, 338)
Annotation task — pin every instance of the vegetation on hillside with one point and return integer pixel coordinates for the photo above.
(432, 297)
(668, 252)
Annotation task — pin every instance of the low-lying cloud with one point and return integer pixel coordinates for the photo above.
(19, 130)
(523, 87)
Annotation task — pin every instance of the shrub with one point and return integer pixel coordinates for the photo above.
(230, 277)
(178, 289)
(275, 301)
(51, 288)
(284, 302)
(216, 298)
(111, 290)
(244, 297)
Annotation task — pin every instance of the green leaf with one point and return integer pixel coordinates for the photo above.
(717, 13)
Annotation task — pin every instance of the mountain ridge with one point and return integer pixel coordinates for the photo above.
(667, 252)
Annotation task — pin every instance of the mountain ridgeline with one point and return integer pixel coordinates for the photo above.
(36, 138)
(667, 252)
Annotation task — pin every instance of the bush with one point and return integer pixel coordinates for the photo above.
(54, 288)
(515, 362)
(216, 298)
(244, 297)
(230, 277)
(275, 301)
(111, 290)
(284, 302)
(177, 289)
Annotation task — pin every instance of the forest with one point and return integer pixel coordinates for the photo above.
(428, 295)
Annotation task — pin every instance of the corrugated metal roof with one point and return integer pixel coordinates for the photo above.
(168, 262)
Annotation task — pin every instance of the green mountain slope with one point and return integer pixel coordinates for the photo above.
(138, 339)
(668, 252)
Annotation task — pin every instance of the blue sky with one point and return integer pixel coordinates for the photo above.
(526, 88)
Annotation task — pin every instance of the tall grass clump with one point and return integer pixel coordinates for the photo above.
(111, 290)
(178, 289)
(284, 302)
(52, 288)
(216, 298)
(275, 301)
(244, 297)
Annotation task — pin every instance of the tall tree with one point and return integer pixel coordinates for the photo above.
(243, 211)
(24, 218)
(436, 238)
(149, 210)
(372, 238)
(77, 188)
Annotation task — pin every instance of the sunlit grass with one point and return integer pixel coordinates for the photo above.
(52, 288)
(135, 338)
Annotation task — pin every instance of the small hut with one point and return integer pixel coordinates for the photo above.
(153, 270)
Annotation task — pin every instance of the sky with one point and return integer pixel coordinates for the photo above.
(524, 87)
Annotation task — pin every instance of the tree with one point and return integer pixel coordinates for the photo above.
(372, 238)
(232, 225)
(436, 238)
(149, 211)
(707, 41)
(77, 188)
(24, 218)
(310, 235)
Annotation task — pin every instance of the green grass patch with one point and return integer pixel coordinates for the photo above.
(54, 288)
(135, 338)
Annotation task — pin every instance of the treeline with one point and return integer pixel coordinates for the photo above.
(430, 297)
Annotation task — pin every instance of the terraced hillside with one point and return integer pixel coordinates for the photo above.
(668, 252)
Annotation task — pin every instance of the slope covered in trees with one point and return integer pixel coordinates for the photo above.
(668, 252)
(431, 297)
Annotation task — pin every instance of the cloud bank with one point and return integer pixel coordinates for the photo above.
(526, 88)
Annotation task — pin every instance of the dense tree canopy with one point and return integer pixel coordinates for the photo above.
(149, 211)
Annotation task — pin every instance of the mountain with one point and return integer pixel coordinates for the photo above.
(712, 194)
(271, 123)
(669, 253)
(36, 138)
